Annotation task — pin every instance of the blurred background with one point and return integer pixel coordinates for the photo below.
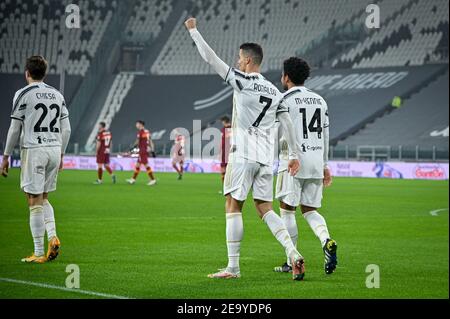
(387, 87)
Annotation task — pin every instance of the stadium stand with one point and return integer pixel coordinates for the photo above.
(227, 24)
(117, 92)
(421, 120)
(147, 20)
(173, 86)
(412, 37)
(30, 26)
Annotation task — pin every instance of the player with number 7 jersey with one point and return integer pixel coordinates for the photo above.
(256, 106)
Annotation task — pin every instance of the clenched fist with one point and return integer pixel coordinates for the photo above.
(191, 23)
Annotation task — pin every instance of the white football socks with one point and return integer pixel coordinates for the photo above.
(280, 232)
(318, 225)
(49, 218)
(288, 217)
(37, 226)
(234, 233)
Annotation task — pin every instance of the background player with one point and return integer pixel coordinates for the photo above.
(225, 146)
(103, 147)
(178, 155)
(41, 120)
(309, 112)
(145, 144)
(255, 108)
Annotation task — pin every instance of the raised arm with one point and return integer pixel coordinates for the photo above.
(205, 50)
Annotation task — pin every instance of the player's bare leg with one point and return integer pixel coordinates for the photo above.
(181, 170)
(54, 243)
(150, 175)
(278, 229)
(99, 180)
(234, 234)
(178, 170)
(287, 214)
(137, 169)
(320, 229)
(110, 172)
(37, 226)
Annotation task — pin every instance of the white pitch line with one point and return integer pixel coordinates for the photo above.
(79, 291)
(435, 212)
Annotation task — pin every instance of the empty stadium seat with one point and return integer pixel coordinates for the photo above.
(30, 27)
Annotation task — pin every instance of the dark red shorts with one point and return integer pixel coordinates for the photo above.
(143, 158)
(102, 158)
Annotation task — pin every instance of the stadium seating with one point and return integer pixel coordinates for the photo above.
(30, 27)
(421, 120)
(227, 24)
(411, 37)
(118, 91)
(147, 20)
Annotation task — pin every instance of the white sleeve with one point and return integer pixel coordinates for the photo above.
(289, 133)
(13, 136)
(326, 139)
(208, 54)
(65, 134)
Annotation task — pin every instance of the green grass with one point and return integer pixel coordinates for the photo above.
(161, 242)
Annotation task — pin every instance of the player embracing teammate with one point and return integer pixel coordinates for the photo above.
(256, 106)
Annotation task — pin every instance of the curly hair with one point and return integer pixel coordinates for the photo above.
(297, 70)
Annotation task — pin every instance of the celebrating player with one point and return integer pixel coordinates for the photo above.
(225, 146)
(104, 140)
(255, 108)
(145, 144)
(178, 155)
(310, 113)
(41, 120)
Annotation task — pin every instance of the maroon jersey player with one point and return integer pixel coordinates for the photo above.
(103, 151)
(178, 155)
(145, 145)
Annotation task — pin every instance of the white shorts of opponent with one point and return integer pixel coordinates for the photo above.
(39, 169)
(295, 191)
(243, 175)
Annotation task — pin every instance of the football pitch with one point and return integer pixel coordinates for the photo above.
(137, 241)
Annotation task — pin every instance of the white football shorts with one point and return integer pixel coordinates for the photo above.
(39, 169)
(294, 191)
(242, 175)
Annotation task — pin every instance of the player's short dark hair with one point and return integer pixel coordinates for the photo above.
(140, 122)
(254, 50)
(36, 66)
(102, 124)
(297, 70)
(225, 119)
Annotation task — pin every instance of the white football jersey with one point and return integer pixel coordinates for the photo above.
(40, 108)
(256, 102)
(309, 114)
